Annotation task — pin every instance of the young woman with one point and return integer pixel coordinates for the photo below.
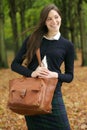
(55, 50)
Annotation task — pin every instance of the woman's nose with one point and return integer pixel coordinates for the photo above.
(54, 21)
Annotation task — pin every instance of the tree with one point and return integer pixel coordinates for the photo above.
(12, 13)
(73, 22)
(82, 32)
(22, 7)
(3, 55)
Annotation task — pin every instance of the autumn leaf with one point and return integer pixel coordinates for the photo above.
(74, 95)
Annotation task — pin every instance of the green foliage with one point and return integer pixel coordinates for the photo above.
(85, 14)
(32, 12)
(32, 15)
(8, 33)
(6, 8)
(39, 3)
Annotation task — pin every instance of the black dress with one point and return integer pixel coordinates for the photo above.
(57, 52)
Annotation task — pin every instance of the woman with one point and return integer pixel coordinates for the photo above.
(54, 51)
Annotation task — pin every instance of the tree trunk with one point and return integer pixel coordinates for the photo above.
(65, 27)
(3, 54)
(22, 18)
(12, 5)
(83, 35)
(84, 40)
(72, 21)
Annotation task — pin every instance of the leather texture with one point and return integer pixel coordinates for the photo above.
(31, 96)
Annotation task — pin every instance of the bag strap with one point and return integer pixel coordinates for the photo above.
(38, 56)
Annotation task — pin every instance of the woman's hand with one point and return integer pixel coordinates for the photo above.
(42, 72)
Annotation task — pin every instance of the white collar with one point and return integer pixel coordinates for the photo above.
(56, 37)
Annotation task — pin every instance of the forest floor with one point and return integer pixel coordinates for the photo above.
(74, 95)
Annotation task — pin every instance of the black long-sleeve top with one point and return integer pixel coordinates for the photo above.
(56, 51)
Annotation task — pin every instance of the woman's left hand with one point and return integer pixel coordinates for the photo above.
(49, 74)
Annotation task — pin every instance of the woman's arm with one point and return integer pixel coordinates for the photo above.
(69, 65)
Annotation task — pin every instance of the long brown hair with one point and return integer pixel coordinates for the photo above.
(41, 29)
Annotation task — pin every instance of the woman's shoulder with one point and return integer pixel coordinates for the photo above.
(66, 42)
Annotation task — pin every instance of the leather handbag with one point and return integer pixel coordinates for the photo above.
(31, 96)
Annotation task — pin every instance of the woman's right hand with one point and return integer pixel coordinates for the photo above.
(40, 72)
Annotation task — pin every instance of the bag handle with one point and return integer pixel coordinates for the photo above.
(38, 56)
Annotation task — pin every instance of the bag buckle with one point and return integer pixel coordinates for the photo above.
(23, 93)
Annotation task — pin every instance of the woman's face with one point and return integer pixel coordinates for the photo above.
(53, 21)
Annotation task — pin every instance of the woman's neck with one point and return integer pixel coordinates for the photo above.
(51, 34)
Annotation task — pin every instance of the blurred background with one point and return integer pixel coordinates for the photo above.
(17, 20)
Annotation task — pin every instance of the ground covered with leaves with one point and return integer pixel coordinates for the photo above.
(74, 94)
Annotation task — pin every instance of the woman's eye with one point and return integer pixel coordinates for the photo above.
(56, 17)
(48, 19)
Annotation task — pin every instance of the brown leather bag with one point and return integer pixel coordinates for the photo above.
(31, 96)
